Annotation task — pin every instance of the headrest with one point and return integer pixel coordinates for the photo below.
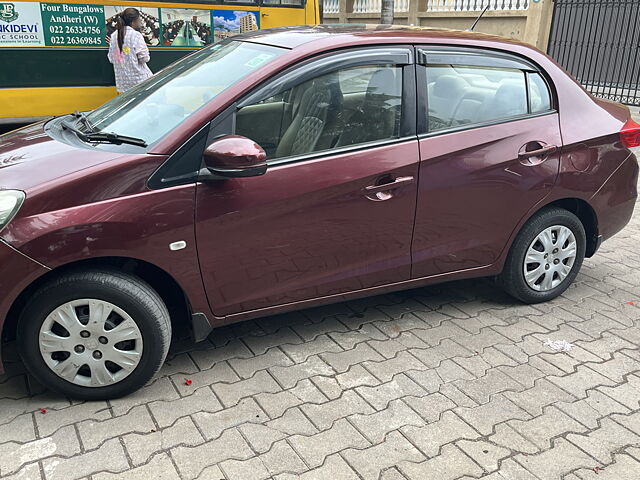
(511, 98)
(449, 86)
(383, 82)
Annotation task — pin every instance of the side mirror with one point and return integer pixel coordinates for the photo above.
(235, 156)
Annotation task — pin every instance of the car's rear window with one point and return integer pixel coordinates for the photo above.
(539, 96)
(461, 95)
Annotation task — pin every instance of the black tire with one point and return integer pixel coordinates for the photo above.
(512, 278)
(127, 292)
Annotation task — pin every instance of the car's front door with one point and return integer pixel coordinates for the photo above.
(489, 154)
(335, 210)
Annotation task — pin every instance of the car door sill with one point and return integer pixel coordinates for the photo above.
(474, 272)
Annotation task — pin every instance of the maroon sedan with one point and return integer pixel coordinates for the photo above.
(295, 167)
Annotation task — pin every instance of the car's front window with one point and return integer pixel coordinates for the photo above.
(158, 105)
(343, 108)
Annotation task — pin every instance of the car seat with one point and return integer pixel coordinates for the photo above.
(307, 124)
(444, 95)
(378, 117)
(510, 100)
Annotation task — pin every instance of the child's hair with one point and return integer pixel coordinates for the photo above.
(125, 20)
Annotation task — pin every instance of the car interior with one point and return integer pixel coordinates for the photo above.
(459, 95)
(466, 95)
(342, 108)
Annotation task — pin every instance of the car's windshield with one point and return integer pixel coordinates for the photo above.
(158, 105)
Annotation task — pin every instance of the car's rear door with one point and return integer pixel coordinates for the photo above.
(489, 152)
(335, 210)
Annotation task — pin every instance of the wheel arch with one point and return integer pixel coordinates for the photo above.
(579, 207)
(587, 216)
(173, 295)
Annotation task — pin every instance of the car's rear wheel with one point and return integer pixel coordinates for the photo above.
(545, 257)
(94, 335)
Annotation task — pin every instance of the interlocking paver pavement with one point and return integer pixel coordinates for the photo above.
(447, 382)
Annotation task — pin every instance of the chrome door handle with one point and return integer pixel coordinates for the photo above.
(379, 193)
(541, 152)
(397, 183)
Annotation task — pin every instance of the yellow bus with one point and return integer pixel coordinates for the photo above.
(54, 54)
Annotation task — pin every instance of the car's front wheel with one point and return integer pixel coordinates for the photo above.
(545, 257)
(94, 335)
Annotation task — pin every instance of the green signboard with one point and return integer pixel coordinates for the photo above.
(73, 25)
(49, 24)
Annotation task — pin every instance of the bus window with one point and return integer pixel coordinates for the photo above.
(283, 3)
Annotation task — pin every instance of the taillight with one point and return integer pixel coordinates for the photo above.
(630, 134)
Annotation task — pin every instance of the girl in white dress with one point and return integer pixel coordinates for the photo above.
(128, 52)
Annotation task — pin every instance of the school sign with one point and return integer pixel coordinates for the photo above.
(20, 25)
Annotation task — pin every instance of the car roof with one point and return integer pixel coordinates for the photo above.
(341, 35)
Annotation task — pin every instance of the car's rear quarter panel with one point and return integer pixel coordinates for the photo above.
(615, 201)
(597, 168)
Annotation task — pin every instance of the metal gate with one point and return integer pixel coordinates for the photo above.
(598, 42)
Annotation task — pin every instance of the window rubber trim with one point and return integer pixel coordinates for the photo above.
(547, 83)
(339, 151)
(422, 99)
(473, 126)
(408, 115)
